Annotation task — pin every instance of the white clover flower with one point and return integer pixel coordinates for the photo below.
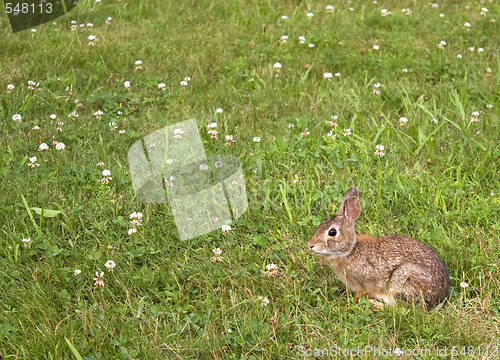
(256, 139)
(489, 106)
(121, 131)
(291, 126)
(329, 8)
(309, 15)
(311, 45)
(467, 25)
(302, 39)
(277, 66)
(379, 152)
(229, 138)
(347, 132)
(475, 117)
(169, 161)
(106, 173)
(218, 110)
(187, 78)
(403, 121)
(271, 270)
(33, 164)
(43, 146)
(264, 301)
(131, 231)
(284, 38)
(480, 49)
(183, 83)
(98, 279)
(136, 215)
(441, 15)
(36, 127)
(203, 167)
(435, 5)
(217, 252)
(337, 74)
(213, 134)
(218, 164)
(72, 115)
(178, 133)
(10, 88)
(92, 38)
(434, 121)
(212, 125)
(60, 146)
(126, 83)
(376, 47)
(304, 133)
(328, 75)
(110, 264)
(331, 135)
(226, 229)
(17, 118)
(459, 56)
(284, 17)
(463, 284)
(32, 85)
(161, 86)
(77, 272)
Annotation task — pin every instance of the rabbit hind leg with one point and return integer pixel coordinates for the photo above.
(410, 283)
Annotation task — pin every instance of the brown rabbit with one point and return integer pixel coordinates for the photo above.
(384, 268)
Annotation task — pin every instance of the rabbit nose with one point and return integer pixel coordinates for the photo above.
(311, 247)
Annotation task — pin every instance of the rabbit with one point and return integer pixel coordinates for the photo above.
(386, 268)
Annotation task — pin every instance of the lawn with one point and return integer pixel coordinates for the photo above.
(398, 98)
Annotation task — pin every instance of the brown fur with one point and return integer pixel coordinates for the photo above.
(384, 268)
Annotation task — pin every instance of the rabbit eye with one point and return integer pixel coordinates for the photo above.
(332, 232)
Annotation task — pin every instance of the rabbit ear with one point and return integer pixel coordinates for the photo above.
(349, 206)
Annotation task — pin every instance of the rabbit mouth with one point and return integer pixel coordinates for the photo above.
(326, 252)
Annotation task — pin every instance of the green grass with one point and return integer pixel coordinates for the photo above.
(437, 182)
